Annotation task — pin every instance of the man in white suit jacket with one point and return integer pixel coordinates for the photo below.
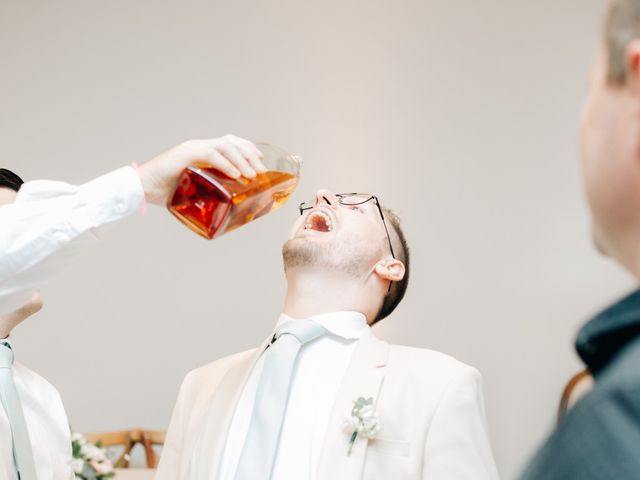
(347, 267)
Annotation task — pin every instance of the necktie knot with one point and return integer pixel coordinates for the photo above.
(6, 355)
(303, 330)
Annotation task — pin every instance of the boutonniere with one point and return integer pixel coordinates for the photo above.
(363, 421)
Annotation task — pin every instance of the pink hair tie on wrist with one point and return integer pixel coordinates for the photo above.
(144, 205)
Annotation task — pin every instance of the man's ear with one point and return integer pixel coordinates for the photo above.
(390, 269)
(633, 65)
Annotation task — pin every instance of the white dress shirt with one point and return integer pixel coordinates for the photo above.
(54, 217)
(48, 223)
(47, 424)
(319, 370)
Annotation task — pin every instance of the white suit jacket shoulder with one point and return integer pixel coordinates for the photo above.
(418, 361)
(444, 397)
(197, 388)
(201, 383)
(47, 424)
(34, 383)
(206, 378)
(429, 374)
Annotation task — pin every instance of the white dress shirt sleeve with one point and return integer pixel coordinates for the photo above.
(457, 445)
(51, 221)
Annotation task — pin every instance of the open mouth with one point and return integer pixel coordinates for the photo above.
(319, 221)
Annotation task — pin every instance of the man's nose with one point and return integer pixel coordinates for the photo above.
(326, 197)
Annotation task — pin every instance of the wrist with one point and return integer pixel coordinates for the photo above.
(144, 182)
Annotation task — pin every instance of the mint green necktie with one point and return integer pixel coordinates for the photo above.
(261, 443)
(22, 454)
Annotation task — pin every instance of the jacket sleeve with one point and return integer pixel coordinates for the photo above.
(457, 445)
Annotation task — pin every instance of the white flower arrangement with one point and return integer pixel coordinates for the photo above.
(363, 421)
(90, 462)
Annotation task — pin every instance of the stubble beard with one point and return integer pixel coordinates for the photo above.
(343, 257)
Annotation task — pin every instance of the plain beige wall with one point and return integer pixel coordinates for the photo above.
(460, 115)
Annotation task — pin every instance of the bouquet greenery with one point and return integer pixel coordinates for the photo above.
(90, 462)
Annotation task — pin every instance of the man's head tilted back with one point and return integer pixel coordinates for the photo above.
(341, 254)
(610, 137)
(10, 183)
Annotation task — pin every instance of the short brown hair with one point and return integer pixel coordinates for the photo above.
(622, 25)
(401, 250)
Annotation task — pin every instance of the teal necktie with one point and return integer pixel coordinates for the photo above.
(22, 454)
(261, 443)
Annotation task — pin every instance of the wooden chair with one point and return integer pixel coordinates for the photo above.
(151, 438)
(128, 439)
(115, 439)
(576, 387)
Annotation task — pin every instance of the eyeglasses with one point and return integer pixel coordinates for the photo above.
(355, 199)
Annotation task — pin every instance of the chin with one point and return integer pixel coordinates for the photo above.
(598, 242)
(298, 251)
(309, 252)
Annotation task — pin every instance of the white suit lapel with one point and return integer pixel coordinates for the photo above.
(363, 378)
(211, 439)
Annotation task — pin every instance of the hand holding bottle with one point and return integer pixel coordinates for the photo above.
(212, 203)
(231, 155)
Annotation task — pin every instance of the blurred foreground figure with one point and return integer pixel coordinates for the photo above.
(600, 436)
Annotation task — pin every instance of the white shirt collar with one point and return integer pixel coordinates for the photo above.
(347, 325)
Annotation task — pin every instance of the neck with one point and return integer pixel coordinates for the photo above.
(314, 292)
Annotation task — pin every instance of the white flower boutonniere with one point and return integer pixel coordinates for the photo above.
(363, 421)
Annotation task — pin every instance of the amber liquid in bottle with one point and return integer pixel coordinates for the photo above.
(210, 203)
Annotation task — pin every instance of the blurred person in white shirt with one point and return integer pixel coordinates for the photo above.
(42, 225)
